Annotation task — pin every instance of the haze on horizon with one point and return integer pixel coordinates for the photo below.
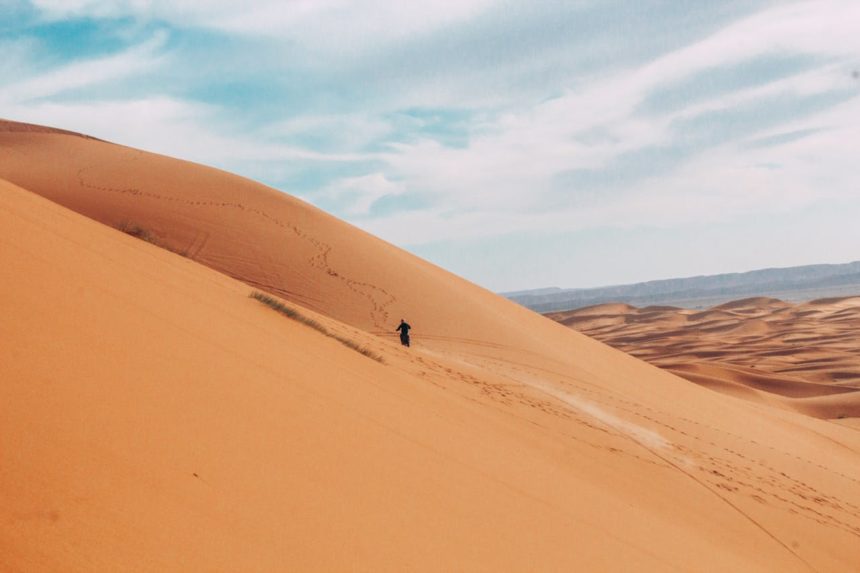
(518, 144)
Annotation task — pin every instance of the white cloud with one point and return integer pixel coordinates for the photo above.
(86, 73)
(358, 194)
(350, 131)
(719, 185)
(339, 26)
(344, 24)
(511, 162)
(169, 126)
(16, 55)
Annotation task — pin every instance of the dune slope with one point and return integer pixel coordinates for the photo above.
(154, 417)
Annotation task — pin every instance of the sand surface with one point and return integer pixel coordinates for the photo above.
(804, 357)
(153, 417)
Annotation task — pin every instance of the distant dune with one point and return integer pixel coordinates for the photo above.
(154, 417)
(798, 356)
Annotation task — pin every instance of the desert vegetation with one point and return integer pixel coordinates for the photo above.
(292, 313)
(138, 232)
(145, 234)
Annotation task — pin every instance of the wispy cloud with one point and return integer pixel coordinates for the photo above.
(86, 94)
(325, 26)
(514, 162)
(81, 74)
(358, 195)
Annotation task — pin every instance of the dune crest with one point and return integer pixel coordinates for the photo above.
(155, 417)
(18, 127)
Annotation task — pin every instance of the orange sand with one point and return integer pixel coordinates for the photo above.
(798, 356)
(153, 417)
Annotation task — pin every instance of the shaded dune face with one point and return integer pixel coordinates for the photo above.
(798, 356)
(153, 417)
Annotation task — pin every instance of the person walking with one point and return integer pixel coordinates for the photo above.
(404, 332)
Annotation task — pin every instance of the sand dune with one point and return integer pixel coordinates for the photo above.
(153, 417)
(803, 356)
(247, 231)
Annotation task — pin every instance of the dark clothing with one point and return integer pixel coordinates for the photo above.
(404, 333)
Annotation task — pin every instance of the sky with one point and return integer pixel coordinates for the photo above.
(519, 144)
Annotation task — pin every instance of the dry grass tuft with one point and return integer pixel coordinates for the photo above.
(138, 232)
(146, 235)
(290, 312)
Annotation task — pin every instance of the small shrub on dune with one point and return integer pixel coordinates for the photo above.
(144, 234)
(138, 232)
(290, 312)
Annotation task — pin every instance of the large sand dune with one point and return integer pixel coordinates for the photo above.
(798, 356)
(153, 417)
